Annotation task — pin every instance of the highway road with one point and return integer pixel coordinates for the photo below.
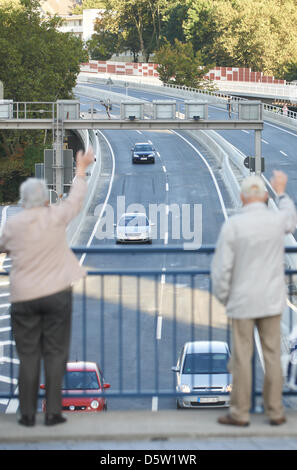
(184, 173)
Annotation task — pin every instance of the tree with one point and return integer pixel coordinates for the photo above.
(260, 34)
(290, 71)
(181, 65)
(37, 63)
(137, 20)
(103, 43)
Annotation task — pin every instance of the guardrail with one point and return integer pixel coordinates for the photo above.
(120, 319)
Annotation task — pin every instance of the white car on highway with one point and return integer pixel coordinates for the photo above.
(202, 368)
(133, 227)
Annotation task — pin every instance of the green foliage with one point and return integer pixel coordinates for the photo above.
(181, 65)
(88, 4)
(37, 63)
(290, 71)
(260, 34)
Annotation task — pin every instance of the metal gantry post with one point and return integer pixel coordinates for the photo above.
(58, 136)
(258, 152)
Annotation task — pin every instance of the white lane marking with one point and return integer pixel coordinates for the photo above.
(139, 132)
(158, 153)
(167, 209)
(5, 305)
(4, 401)
(164, 169)
(224, 210)
(155, 404)
(283, 153)
(163, 279)
(242, 130)
(166, 238)
(280, 129)
(159, 327)
(167, 187)
(4, 317)
(8, 380)
(6, 283)
(5, 295)
(7, 343)
(264, 141)
(106, 199)
(6, 328)
(8, 359)
(13, 404)
(3, 217)
(150, 142)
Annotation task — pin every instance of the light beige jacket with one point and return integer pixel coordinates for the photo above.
(248, 266)
(35, 239)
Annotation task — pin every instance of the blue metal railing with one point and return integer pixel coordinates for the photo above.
(122, 335)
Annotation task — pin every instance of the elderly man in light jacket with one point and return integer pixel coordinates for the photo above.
(43, 270)
(248, 278)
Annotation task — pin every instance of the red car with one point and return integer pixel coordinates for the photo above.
(82, 377)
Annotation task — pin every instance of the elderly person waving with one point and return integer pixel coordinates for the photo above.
(43, 270)
(248, 277)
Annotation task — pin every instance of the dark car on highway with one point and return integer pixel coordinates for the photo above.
(143, 153)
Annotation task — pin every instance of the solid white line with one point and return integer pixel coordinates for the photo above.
(283, 153)
(279, 128)
(224, 210)
(106, 199)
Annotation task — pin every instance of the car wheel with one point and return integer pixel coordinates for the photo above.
(178, 405)
(150, 242)
(153, 160)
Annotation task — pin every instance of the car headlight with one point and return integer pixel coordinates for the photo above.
(185, 388)
(228, 388)
(94, 404)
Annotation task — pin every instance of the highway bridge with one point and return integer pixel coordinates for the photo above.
(186, 172)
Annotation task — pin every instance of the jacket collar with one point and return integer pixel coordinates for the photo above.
(254, 206)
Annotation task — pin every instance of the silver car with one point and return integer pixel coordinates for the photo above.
(134, 227)
(202, 367)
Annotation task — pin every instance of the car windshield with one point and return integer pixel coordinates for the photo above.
(82, 379)
(206, 363)
(133, 221)
(143, 148)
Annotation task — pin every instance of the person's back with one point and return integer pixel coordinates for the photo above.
(257, 285)
(248, 266)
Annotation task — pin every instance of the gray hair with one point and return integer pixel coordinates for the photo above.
(253, 186)
(33, 193)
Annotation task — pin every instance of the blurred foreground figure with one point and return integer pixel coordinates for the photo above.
(248, 278)
(43, 270)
